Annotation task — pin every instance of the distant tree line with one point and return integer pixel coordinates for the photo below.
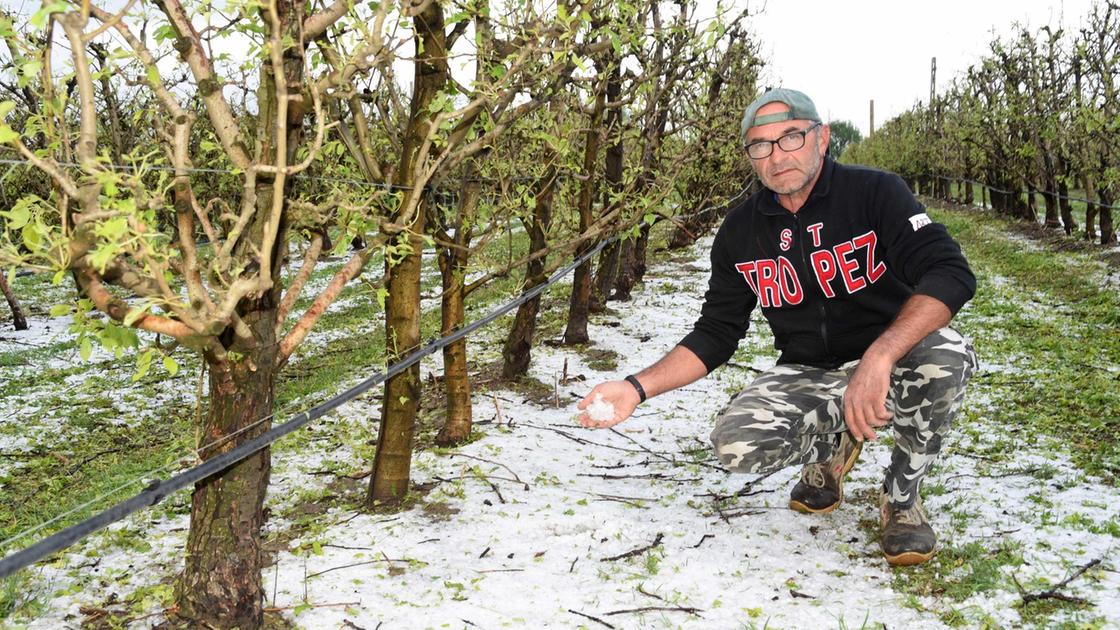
(1037, 118)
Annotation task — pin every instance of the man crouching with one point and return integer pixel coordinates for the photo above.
(858, 286)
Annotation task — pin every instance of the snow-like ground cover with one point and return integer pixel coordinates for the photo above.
(540, 523)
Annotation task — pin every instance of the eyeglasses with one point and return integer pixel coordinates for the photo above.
(790, 142)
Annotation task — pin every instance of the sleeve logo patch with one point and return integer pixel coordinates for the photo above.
(918, 221)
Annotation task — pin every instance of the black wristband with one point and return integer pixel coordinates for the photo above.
(638, 386)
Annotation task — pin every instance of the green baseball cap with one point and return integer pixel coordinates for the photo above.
(800, 108)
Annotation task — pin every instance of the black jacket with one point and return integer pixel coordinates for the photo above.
(831, 277)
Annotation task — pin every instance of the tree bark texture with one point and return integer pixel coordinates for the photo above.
(18, 319)
(516, 354)
(1108, 230)
(1066, 208)
(579, 306)
(392, 466)
(221, 584)
(609, 258)
(453, 267)
(1090, 208)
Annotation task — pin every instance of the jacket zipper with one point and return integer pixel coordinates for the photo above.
(808, 276)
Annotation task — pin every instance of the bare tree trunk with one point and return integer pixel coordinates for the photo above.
(18, 319)
(1050, 199)
(516, 353)
(393, 463)
(579, 306)
(1108, 230)
(1068, 221)
(612, 177)
(606, 272)
(453, 267)
(1090, 208)
(221, 583)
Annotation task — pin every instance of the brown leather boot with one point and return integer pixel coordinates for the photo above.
(821, 488)
(907, 536)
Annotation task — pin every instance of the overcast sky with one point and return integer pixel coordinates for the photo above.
(843, 54)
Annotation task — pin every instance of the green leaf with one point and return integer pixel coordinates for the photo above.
(164, 33)
(6, 107)
(18, 217)
(58, 310)
(7, 134)
(170, 365)
(114, 229)
(85, 349)
(135, 314)
(39, 20)
(143, 365)
(28, 70)
(302, 608)
(102, 256)
(59, 276)
(153, 75)
(32, 238)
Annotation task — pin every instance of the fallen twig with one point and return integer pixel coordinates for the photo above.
(383, 558)
(498, 413)
(586, 616)
(499, 464)
(581, 440)
(633, 552)
(494, 487)
(685, 609)
(1012, 473)
(281, 608)
(1055, 591)
(648, 594)
(657, 476)
(727, 516)
(73, 469)
(746, 491)
(702, 539)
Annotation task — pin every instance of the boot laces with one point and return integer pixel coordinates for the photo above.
(813, 475)
(914, 515)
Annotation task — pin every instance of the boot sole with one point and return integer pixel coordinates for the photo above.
(798, 506)
(908, 558)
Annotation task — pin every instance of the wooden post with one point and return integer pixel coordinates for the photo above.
(871, 126)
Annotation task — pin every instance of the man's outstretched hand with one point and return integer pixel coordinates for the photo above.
(619, 394)
(865, 399)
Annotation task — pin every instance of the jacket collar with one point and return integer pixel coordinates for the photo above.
(770, 203)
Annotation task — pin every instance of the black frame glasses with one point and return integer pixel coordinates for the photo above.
(790, 142)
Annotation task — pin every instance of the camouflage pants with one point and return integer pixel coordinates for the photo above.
(794, 414)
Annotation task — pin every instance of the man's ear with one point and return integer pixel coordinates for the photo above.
(826, 133)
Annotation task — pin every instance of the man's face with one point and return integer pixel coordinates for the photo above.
(788, 172)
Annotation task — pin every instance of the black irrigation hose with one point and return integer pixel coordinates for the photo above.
(159, 490)
(1019, 192)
